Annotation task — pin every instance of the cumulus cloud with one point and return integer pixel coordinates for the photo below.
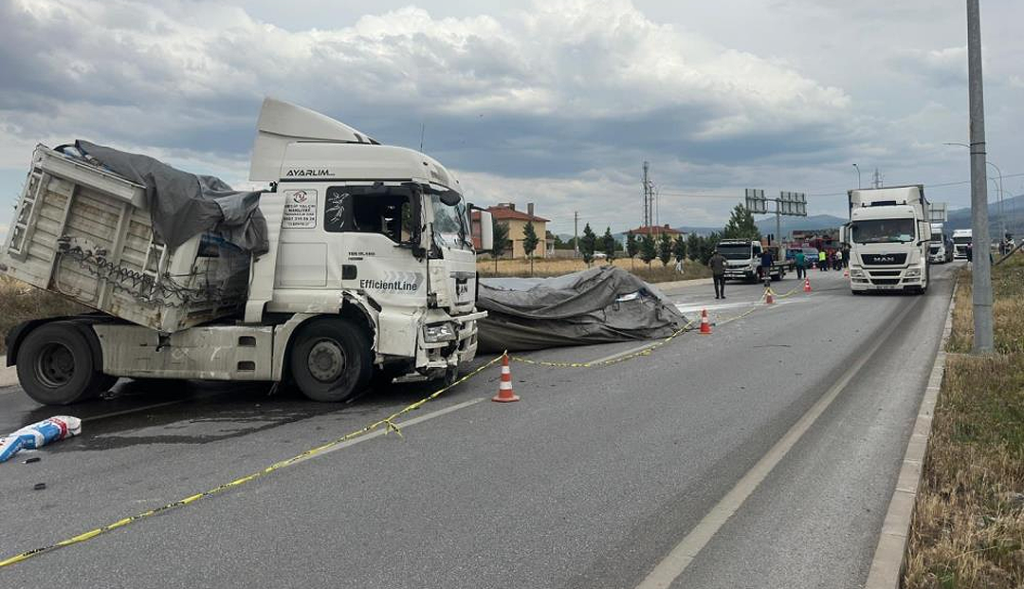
(566, 96)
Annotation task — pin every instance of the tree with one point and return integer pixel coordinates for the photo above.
(632, 247)
(530, 242)
(679, 248)
(664, 248)
(588, 243)
(608, 244)
(500, 235)
(648, 249)
(693, 243)
(707, 247)
(741, 225)
(558, 243)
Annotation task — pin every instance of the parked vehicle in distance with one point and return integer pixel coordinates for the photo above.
(961, 239)
(810, 255)
(940, 250)
(743, 260)
(371, 269)
(889, 233)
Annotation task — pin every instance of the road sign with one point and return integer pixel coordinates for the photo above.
(792, 203)
(937, 212)
(756, 202)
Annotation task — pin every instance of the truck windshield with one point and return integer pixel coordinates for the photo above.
(962, 240)
(451, 223)
(735, 251)
(883, 231)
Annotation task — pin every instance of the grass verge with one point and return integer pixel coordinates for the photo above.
(21, 302)
(969, 521)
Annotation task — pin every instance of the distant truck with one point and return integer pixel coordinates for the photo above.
(371, 271)
(743, 260)
(962, 239)
(940, 250)
(889, 235)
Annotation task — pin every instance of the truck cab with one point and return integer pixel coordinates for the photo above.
(370, 271)
(743, 260)
(961, 241)
(940, 250)
(889, 235)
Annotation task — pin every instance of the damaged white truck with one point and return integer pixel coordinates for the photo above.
(357, 262)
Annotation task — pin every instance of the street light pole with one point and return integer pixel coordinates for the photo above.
(1002, 219)
(858, 175)
(982, 271)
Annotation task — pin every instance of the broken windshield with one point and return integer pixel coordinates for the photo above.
(451, 223)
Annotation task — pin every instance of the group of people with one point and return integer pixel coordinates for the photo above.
(832, 259)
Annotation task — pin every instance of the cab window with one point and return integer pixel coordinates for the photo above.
(386, 210)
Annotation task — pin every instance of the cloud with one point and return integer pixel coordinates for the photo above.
(936, 67)
(594, 72)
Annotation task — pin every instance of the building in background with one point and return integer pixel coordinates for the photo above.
(516, 220)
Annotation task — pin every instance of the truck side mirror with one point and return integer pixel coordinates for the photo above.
(486, 231)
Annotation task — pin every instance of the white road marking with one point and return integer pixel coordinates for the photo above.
(698, 308)
(401, 424)
(673, 565)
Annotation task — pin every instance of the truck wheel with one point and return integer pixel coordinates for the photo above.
(331, 360)
(56, 366)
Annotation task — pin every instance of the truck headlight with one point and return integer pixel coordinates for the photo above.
(856, 273)
(913, 273)
(441, 332)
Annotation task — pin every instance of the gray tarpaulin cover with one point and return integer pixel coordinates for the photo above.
(183, 205)
(599, 305)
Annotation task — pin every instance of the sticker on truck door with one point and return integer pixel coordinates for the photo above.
(299, 209)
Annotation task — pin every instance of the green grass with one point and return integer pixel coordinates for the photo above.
(969, 520)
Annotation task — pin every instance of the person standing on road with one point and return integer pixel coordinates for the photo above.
(822, 260)
(717, 264)
(766, 265)
(801, 259)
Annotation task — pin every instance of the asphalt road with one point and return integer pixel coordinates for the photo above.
(592, 480)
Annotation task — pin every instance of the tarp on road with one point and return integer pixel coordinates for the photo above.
(599, 305)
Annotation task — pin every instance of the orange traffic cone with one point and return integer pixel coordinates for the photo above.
(705, 327)
(768, 298)
(505, 394)
(807, 285)
(846, 272)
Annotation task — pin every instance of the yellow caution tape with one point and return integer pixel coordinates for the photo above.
(387, 422)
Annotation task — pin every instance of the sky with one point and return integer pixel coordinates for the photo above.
(556, 102)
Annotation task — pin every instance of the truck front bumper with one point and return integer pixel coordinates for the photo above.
(881, 279)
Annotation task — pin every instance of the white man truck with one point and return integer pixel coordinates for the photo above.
(889, 233)
(940, 250)
(961, 241)
(371, 270)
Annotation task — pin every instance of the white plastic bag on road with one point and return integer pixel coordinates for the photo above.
(39, 434)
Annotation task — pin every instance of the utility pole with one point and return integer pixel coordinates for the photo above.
(647, 198)
(982, 271)
(877, 182)
(576, 232)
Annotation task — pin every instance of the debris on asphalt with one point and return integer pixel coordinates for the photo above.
(39, 487)
(39, 434)
(33, 459)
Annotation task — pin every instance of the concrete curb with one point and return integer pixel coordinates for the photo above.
(887, 565)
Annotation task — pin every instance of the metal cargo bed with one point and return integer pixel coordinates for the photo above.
(85, 233)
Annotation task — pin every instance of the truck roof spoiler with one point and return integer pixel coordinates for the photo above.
(281, 123)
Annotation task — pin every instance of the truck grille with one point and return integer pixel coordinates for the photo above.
(885, 281)
(883, 259)
(880, 273)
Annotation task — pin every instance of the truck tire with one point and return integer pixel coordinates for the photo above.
(56, 365)
(331, 360)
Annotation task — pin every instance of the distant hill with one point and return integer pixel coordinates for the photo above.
(1013, 211)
